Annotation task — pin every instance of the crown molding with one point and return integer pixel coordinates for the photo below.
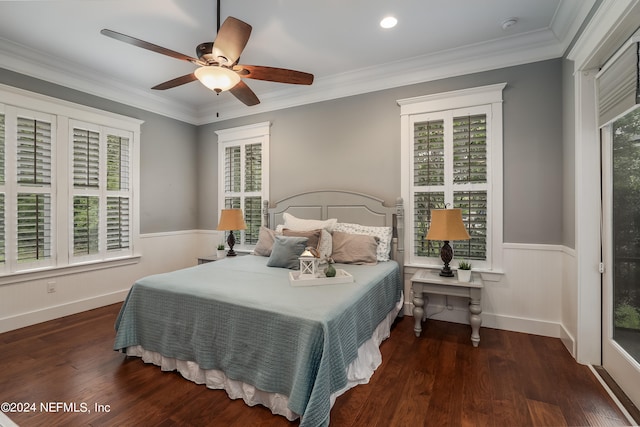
(600, 38)
(504, 52)
(25, 60)
(531, 47)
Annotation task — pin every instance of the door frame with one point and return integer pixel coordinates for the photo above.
(621, 366)
(611, 25)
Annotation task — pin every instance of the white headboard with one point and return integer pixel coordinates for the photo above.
(346, 206)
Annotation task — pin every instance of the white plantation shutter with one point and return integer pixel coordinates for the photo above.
(252, 185)
(86, 158)
(118, 193)
(102, 192)
(243, 186)
(34, 151)
(423, 203)
(474, 214)
(117, 162)
(428, 153)
(232, 169)
(470, 149)
(34, 144)
(252, 218)
(34, 227)
(450, 167)
(428, 181)
(243, 174)
(86, 230)
(470, 183)
(118, 227)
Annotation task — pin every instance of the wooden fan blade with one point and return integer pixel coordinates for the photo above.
(146, 45)
(272, 74)
(230, 41)
(187, 78)
(244, 94)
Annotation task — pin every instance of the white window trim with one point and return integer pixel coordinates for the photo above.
(243, 135)
(456, 100)
(64, 112)
(101, 193)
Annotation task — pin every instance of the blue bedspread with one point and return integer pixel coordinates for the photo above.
(244, 318)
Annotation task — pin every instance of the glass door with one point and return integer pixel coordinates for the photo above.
(621, 252)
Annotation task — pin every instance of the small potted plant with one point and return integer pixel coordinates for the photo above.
(464, 271)
(220, 251)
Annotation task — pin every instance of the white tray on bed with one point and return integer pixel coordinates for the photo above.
(341, 277)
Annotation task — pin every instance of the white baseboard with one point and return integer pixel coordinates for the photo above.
(456, 314)
(27, 303)
(569, 341)
(6, 421)
(38, 316)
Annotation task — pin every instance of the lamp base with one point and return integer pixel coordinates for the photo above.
(446, 253)
(231, 240)
(446, 272)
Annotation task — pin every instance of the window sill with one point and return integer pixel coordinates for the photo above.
(48, 272)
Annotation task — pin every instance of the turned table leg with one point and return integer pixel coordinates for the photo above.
(418, 311)
(474, 316)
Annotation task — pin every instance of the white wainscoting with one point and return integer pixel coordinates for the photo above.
(526, 297)
(569, 308)
(26, 303)
(535, 294)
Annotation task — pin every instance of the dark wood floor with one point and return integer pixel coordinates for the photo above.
(439, 379)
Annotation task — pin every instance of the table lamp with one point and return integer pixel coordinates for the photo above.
(231, 219)
(446, 225)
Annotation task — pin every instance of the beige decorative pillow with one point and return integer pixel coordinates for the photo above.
(354, 248)
(384, 234)
(313, 236)
(266, 237)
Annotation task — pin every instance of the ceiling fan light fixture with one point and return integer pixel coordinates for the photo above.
(217, 78)
(388, 22)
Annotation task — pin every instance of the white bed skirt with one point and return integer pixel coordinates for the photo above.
(358, 372)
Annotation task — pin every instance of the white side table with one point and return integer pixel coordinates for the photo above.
(430, 282)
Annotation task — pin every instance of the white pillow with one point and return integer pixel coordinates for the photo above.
(299, 224)
(385, 234)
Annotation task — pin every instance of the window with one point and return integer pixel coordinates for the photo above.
(101, 190)
(65, 184)
(29, 188)
(452, 155)
(243, 173)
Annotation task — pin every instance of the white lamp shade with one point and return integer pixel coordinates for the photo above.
(217, 78)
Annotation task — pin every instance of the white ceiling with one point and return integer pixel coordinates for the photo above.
(339, 41)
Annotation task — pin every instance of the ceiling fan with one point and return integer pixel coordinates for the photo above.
(217, 62)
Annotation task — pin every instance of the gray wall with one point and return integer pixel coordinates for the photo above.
(351, 143)
(168, 176)
(354, 143)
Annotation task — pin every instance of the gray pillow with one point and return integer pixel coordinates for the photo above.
(286, 250)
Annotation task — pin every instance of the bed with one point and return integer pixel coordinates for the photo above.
(238, 324)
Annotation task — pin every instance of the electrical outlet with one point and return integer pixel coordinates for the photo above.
(51, 287)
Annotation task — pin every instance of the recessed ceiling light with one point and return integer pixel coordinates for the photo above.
(388, 22)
